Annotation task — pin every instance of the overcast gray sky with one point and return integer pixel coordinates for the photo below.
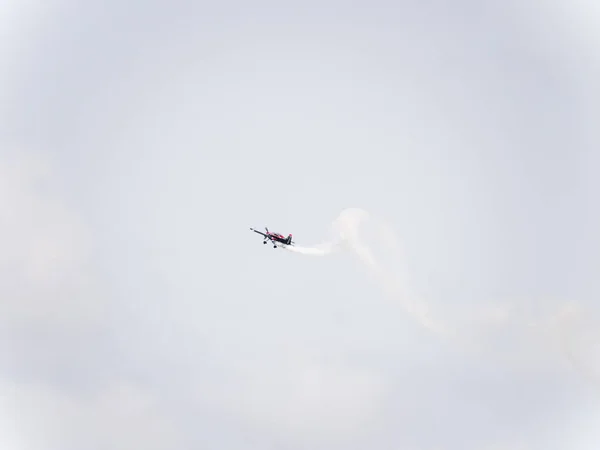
(140, 140)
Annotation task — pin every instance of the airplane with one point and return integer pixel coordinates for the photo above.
(275, 238)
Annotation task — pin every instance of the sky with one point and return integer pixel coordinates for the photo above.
(138, 143)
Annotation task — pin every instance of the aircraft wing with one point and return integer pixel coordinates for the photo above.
(259, 232)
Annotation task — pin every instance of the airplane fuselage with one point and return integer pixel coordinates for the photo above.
(275, 238)
(279, 238)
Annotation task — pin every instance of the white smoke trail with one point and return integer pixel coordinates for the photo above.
(321, 250)
(557, 330)
(324, 249)
(348, 226)
(473, 332)
(346, 229)
(307, 250)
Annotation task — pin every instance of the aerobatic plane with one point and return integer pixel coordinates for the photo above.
(275, 238)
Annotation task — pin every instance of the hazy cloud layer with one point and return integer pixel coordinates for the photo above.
(140, 140)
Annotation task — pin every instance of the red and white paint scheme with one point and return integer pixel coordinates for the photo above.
(275, 238)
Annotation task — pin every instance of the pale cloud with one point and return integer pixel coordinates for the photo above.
(20, 22)
(154, 150)
(41, 236)
(582, 18)
(121, 416)
(305, 399)
(45, 250)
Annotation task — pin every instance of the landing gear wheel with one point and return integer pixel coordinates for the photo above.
(274, 246)
(264, 242)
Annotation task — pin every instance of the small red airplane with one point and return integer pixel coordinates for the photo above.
(275, 238)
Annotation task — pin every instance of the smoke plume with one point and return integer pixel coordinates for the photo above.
(321, 250)
(471, 330)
